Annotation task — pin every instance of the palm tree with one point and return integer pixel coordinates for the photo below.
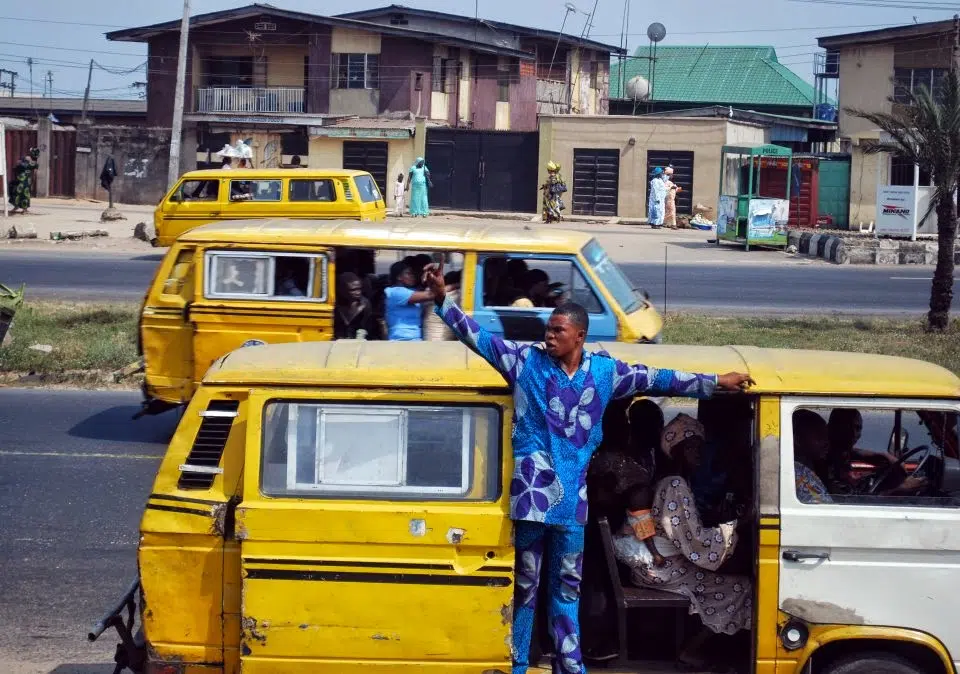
(926, 131)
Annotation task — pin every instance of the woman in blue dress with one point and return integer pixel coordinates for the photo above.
(656, 201)
(417, 182)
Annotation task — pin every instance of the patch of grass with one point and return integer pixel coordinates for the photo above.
(863, 335)
(83, 337)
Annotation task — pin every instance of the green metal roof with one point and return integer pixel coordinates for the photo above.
(735, 76)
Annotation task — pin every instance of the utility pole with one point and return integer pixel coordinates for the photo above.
(173, 172)
(30, 65)
(86, 94)
(13, 81)
(50, 86)
(956, 42)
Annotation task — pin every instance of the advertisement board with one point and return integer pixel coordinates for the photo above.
(727, 216)
(896, 211)
(767, 221)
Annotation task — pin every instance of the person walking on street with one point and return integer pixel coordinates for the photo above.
(670, 202)
(22, 181)
(553, 190)
(656, 199)
(560, 392)
(418, 181)
(399, 195)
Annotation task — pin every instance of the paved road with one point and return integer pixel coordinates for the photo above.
(75, 472)
(727, 287)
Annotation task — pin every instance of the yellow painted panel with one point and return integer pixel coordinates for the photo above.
(326, 152)
(301, 665)
(346, 41)
(285, 66)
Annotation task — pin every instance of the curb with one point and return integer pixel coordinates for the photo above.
(826, 246)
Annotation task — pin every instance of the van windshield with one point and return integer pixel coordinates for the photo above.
(612, 277)
(368, 189)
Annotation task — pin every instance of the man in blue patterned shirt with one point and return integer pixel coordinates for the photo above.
(560, 392)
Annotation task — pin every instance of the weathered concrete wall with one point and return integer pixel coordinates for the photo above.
(141, 156)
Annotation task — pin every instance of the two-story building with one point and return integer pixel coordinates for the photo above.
(875, 70)
(346, 90)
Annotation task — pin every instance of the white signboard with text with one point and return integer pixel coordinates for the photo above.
(896, 211)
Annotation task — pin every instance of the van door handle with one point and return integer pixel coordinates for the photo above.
(797, 556)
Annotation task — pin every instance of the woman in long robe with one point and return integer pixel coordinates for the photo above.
(418, 181)
(21, 181)
(656, 199)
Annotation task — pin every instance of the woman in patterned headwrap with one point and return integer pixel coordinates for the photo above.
(20, 182)
(553, 190)
(692, 553)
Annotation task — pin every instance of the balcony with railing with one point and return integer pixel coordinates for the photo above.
(251, 100)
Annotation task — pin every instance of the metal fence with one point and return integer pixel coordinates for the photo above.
(250, 99)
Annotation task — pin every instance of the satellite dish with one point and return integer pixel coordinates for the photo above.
(638, 88)
(656, 32)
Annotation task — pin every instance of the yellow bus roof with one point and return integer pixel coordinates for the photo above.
(419, 234)
(451, 365)
(268, 173)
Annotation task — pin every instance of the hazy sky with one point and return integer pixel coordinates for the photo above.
(63, 35)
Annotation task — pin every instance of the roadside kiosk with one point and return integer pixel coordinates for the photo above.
(754, 204)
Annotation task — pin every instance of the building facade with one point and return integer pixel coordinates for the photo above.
(346, 91)
(875, 70)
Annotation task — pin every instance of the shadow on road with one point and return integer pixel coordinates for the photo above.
(82, 669)
(116, 424)
(155, 257)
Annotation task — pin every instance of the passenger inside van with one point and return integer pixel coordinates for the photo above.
(810, 450)
(201, 190)
(687, 555)
(354, 317)
(292, 276)
(403, 312)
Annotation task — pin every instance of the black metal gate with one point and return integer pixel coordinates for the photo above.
(596, 182)
(367, 156)
(483, 170)
(682, 162)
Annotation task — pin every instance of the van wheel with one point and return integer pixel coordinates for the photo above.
(872, 663)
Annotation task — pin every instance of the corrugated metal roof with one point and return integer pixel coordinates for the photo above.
(94, 105)
(730, 75)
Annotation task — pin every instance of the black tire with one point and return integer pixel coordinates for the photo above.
(872, 663)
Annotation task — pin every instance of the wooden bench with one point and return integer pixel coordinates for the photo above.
(629, 597)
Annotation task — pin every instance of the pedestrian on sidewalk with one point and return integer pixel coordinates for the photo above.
(552, 191)
(418, 181)
(22, 181)
(399, 195)
(560, 392)
(656, 201)
(670, 203)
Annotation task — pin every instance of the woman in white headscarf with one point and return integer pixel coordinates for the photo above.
(689, 553)
(656, 199)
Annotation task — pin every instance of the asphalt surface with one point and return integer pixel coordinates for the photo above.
(729, 287)
(75, 471)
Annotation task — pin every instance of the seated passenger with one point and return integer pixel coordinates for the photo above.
(844, 430)
(810, 447)
(402, 304)
(688, 553)
(354, 317)
(535, 290)
(287, 284)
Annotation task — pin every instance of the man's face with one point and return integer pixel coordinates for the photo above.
(354, 291)
(563, 336)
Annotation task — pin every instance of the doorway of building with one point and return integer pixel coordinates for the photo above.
(596, 182)
(682, 163)
(367, 156)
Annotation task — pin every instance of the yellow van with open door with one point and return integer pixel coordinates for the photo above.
(214, 195)
(226, 285)
(343, 508)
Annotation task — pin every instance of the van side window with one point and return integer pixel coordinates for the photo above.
(381, 452)
(368, 189)
(529, 283)
(291, 277)
(312, 190)
(200, 190)
(859, 455)
(255, 190)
